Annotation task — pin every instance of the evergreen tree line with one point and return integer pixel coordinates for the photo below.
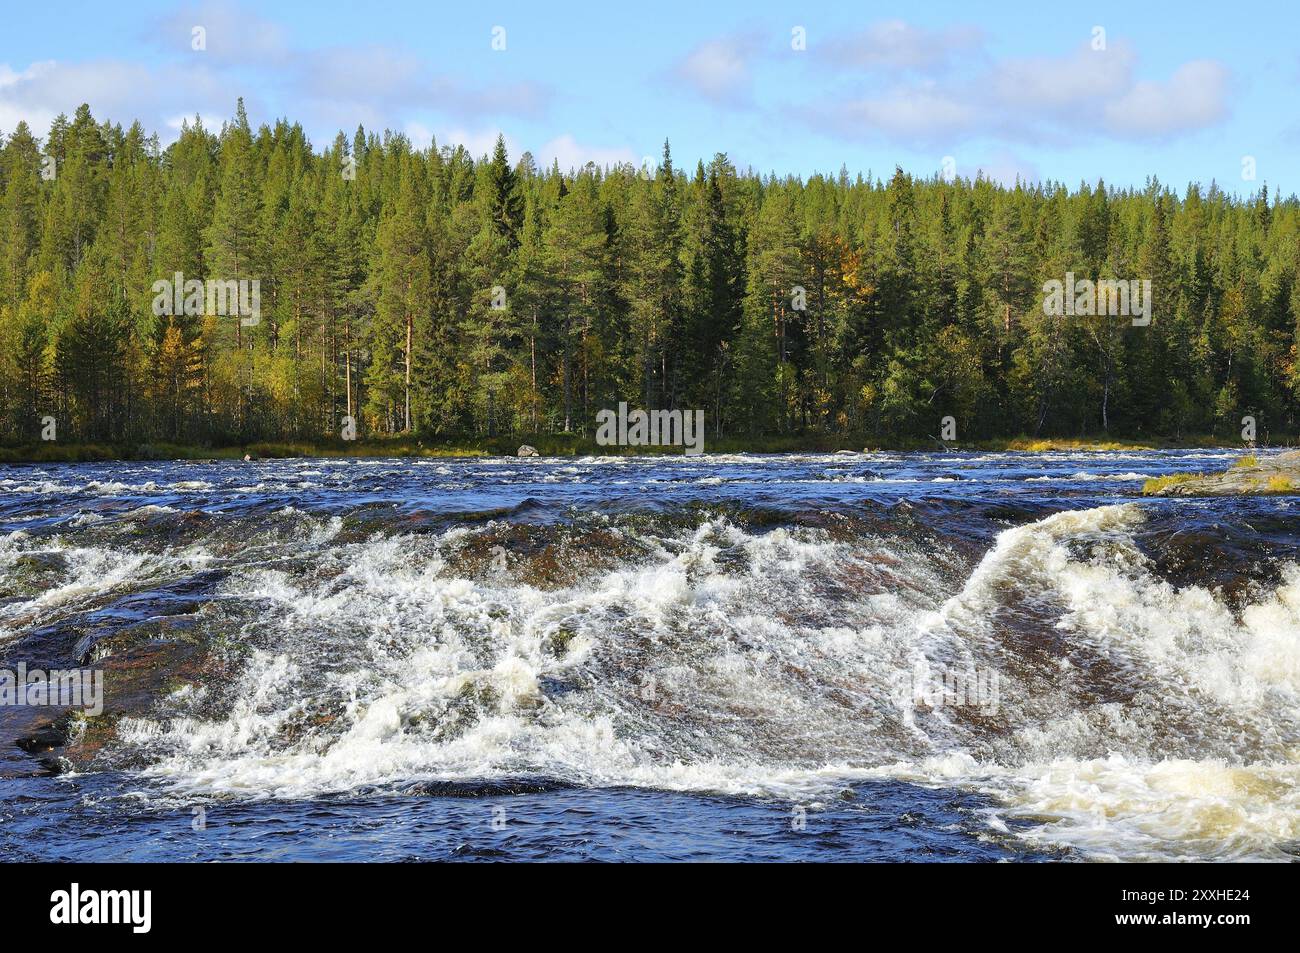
(432, 293)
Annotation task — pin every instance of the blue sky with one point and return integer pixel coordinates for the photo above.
(1185, 91)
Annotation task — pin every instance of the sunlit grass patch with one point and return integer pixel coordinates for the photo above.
(1037, 445)
(1156, 484)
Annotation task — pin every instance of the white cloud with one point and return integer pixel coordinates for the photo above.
(232, 34)
(1007, 168)
(719, 70)
(919, 113)
(117, 91)
(898, 45)
(564, 149)
(1064, 99)
(211, 122)
(478, 143)
(574, 155)
(16, 103)
(421, 136)
(382, 81)
(325, 89)
(1194, 97)
(1054, 84)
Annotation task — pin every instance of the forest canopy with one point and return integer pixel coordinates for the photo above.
(431, 292)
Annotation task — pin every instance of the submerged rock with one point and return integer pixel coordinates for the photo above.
(33, 573)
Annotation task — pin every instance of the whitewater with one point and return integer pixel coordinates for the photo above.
(754, 637)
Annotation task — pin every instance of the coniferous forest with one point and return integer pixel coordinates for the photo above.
(435, 293)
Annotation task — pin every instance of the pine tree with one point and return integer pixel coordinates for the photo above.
(848, 305)
(232, 235)
(403, 276)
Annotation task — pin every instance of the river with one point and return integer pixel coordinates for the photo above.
(876, 656)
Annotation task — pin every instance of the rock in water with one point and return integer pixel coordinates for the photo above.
(526, 451)
(1250, 476)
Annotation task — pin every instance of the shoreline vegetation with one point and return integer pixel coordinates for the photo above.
(568, 445)
(244, 288)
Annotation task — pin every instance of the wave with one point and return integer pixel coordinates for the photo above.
(43, 577)
(1131, 718)
(1171, 727)
(1084, 477)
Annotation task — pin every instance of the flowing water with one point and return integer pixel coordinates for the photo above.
(796, 657)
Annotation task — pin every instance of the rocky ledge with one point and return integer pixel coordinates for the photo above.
(1251, 475)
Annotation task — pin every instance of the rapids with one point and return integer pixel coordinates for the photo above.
(658, 657)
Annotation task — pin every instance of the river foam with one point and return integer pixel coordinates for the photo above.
(1134, 718)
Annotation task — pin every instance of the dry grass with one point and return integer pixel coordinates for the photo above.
(1097, 446)
(1156, 484)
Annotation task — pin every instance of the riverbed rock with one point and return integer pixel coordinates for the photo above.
(526, 451)
(32, 573)
(1251, 476)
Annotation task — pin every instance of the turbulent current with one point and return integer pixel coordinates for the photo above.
(847, 656)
